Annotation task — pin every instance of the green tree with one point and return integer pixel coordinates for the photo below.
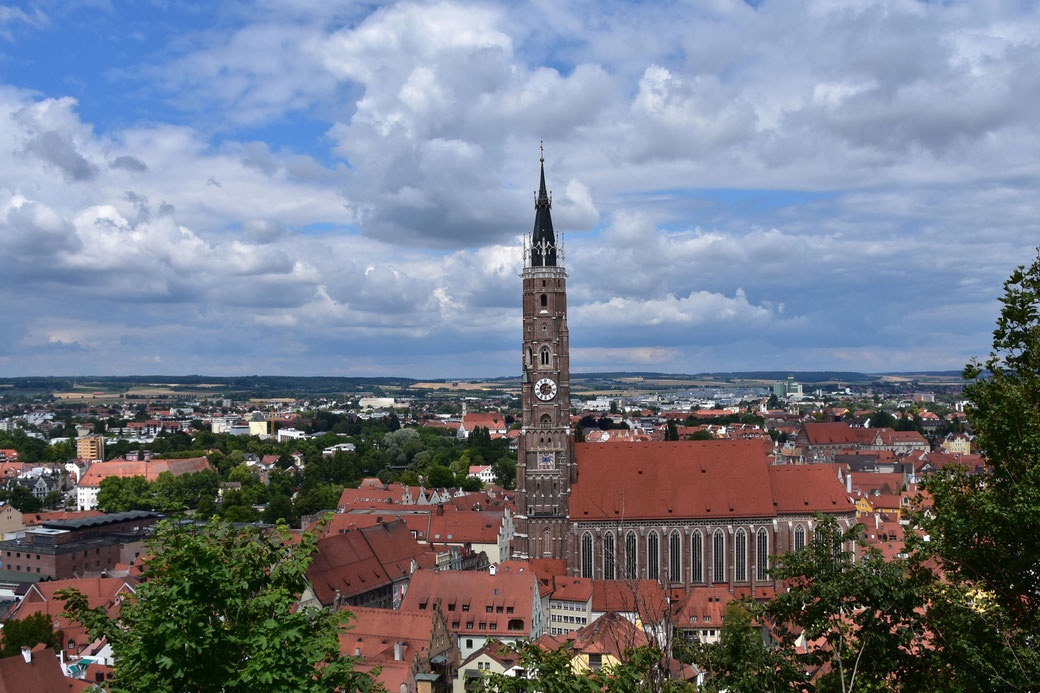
(882, 419)
(672, 432)
(641, 669)
(440, 477)
(29, 632)
(740, 662)
(216, 612)
(861, 621)
(983, 529)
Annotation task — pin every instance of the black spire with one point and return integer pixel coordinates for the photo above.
(543, 240)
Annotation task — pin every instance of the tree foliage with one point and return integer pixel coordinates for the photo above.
(983, 529)
(28, 632)
(553, 671)
(215, 612)
(849, 624)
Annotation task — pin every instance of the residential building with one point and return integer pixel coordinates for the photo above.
(90, 448)
(479, 606)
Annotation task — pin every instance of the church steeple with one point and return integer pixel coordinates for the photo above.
(545, 466)
(543, 240)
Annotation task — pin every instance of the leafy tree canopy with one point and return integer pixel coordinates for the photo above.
(216, 613)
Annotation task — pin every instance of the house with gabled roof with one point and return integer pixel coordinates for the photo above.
(480, 606)
(414, 650)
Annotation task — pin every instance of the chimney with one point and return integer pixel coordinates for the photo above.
(26, 654)
(398, 652)
(336, 600)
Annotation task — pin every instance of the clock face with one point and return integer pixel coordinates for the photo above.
(545, 460)
(545, 389)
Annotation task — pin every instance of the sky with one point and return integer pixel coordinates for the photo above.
(313, 187)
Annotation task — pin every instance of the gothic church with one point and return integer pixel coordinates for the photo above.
(683, 513)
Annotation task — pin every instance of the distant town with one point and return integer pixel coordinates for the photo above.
(420, 483)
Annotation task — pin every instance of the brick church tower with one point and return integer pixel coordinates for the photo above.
(545, 465)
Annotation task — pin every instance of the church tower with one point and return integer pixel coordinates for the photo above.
(545, 466)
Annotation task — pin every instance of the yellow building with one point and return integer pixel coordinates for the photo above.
(957, 444)
(91, 448)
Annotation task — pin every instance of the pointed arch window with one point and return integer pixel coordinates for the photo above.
(630, 556)
(718, 556)
(674, 556)
(653, 556)
(546, 542)
(529, 357)
(608, 557)
(761, 555)
(740, 556)
(799, 538)
(697, 557)
(546, 357)
(586, 555)
(545, 421)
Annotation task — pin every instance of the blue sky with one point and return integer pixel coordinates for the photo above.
(314, 187)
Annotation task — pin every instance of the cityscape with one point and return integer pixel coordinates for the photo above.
(294, 396)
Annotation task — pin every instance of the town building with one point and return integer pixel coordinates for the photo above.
(60, 549)
(90, 448)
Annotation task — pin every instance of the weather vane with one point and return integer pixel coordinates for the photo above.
(541, 149)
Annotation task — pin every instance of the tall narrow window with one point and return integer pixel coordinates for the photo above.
(586, 555)
(545, 301)
(546, 542)
(799, 538)
(630, 555)
(608, 557)
(653, 556)
(546, 356)
(740, 556)
(675, 557)
(530, 357)
(697, 557)
(761, 555)
(718, 556)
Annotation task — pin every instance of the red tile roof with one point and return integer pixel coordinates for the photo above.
(645, 597)
(808, 488)
(720, 478)
(837, 433)
(42, 674)
(150, 469)
(493, 421)
(471, 599)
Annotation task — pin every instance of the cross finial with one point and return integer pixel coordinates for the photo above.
(541, 149)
